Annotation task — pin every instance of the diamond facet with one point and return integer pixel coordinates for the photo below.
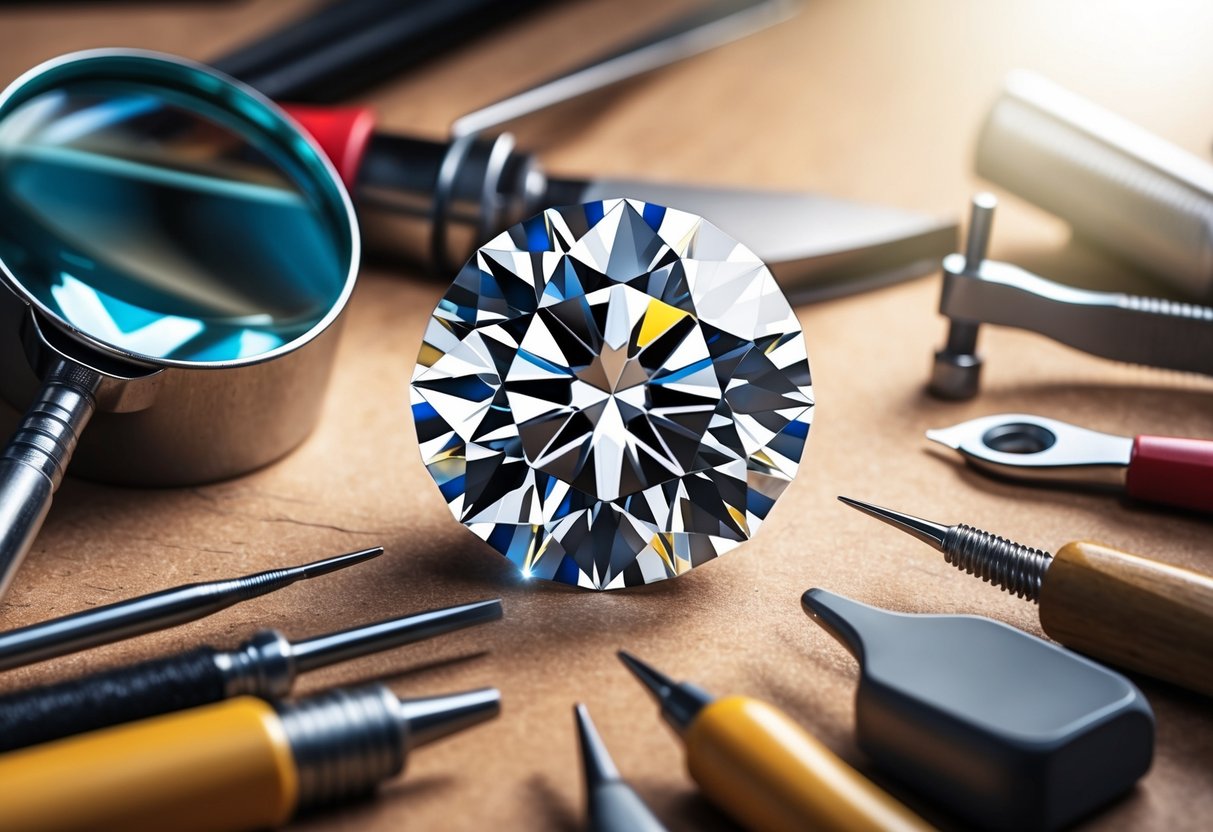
(613, 393)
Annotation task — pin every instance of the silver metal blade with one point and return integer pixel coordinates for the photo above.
(818, 247)
(720, 23)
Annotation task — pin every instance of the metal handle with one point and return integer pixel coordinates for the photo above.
(1172, 471)
(32, 464)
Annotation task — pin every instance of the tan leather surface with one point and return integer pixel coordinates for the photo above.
(878, 101)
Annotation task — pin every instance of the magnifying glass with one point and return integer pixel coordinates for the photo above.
(175, 254)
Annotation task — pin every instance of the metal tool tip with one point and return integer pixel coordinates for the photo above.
(324, 567)
(599, 767)
(435, 717)
(933, 534)
(650, 677)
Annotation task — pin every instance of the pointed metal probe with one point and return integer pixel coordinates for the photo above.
(932, 534)
(1152, 617)
(680, 701)
(156, 611)
(612, 804)
(265, 666)
(1012, 566)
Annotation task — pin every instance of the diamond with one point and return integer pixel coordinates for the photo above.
(612, 394)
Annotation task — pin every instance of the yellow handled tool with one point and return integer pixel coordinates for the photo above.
(242, 764)
(764, 770)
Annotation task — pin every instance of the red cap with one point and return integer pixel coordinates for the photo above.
(341, 132)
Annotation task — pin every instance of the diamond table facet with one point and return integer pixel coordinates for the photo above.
(613, 393)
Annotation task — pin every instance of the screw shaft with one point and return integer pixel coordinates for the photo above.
(1016, 568)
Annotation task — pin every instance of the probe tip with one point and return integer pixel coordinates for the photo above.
(933, 534)
(651, 678)
(435, 717)
(599, 767)
(324, 567)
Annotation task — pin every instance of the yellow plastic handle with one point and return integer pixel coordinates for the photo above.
(226, 766)
(771, 776)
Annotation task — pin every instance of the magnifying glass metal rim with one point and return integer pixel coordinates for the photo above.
(182, 75)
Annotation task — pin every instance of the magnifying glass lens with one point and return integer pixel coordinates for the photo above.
(162, 225)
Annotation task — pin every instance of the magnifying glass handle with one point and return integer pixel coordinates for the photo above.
(33, 462)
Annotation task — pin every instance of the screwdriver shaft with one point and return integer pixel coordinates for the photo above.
(156, 611)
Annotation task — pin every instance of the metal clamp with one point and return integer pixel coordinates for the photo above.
(1139, 330)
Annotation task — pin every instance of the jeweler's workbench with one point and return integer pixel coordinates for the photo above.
(872, 101)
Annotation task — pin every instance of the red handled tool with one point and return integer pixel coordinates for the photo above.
(1158, 469)
(432, 202)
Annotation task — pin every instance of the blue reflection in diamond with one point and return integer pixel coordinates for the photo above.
(612, 394)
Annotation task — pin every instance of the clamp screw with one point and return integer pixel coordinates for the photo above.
(957, 371)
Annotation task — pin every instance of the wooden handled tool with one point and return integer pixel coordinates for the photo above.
(1127, 610)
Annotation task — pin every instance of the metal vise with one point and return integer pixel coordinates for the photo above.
(1139, 330)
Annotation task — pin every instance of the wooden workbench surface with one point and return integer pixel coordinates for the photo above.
(875, 100)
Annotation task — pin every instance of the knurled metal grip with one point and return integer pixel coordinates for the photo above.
(33, 462)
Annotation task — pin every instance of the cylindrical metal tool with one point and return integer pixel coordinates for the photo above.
(239, 765)
(155, 611)
(1115, 183)
(1125, 609)
(266, 666)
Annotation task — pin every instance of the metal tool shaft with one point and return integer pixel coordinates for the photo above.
(156, 611)
(384, 635)
(32, 465)
(1012, 566)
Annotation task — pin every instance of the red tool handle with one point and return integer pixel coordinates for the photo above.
(1177, 472)
(341, 132)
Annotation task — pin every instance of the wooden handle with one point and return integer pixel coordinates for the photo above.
(1136, 613)
(765, 771)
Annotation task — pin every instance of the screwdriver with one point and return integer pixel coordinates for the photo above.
(612, 804)
(761, 768)
(265, 666)
(155, 611)
(243, 764)
(1127, 610)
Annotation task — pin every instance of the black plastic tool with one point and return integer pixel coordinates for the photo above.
(1006, 730)
(345, 47)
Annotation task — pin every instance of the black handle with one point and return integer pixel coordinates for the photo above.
(344, 48)
(159, 686)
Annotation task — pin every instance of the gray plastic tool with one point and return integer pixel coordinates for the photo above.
(1004, 729)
